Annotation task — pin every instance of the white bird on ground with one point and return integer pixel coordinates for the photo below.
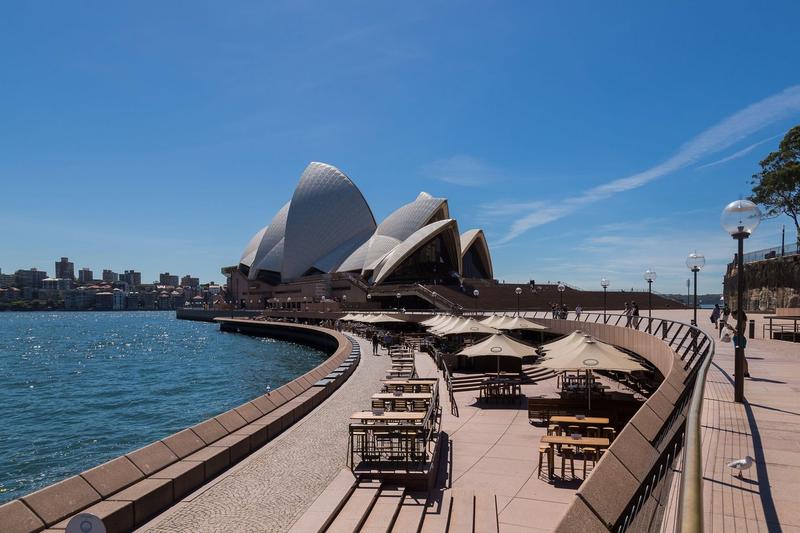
(741, 464)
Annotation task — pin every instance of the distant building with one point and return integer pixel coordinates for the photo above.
(104, 301)
(65, 269)
(110, 276)
(29, 279)
(85, 275)
(80, 298)
(132, 301)
(189, 281)
(119, 300)
(56, 284)
(168, 279)
(7, 280)
(148, 299)
(131, 277)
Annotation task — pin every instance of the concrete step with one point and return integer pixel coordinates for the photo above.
(356, 509)
(384, 511)
(322, 512)
(437, 513)
(486, 512)
(462, 511)
(412, 510)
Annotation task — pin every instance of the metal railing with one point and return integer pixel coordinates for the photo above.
(791, 248)
(681, 431)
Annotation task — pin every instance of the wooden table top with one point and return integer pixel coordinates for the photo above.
(408, 416)
(596, 442)
(404, 396)
(592, 420)
(418, 381)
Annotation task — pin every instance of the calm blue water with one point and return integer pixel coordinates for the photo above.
(78, 389)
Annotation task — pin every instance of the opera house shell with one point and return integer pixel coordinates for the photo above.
(327, 227)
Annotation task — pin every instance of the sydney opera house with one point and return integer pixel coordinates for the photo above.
(325, 243)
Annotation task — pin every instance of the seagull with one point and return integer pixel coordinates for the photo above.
(741, 464)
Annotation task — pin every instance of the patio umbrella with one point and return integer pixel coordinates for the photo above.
(492, 320)
(383, 318)
(588, 355)
(469, 325)
(434, 320)
(573, 339)
(514, 323)
(499, 345)
(348, 317)
(444, 325)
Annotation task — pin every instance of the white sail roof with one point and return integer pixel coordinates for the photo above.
(272, 236)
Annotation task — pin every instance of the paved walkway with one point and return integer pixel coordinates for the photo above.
(269, 490)
(766, 427)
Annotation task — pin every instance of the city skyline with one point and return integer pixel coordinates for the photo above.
(583, 152)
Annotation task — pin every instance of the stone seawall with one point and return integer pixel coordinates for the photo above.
(769, 284)
(208, 315)
(128, 491)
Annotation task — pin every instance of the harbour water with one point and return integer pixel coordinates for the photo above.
(78, 389)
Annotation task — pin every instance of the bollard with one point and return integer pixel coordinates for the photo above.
(752, 331)
(664, 330)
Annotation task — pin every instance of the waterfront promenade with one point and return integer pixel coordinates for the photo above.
(766, 427)
(270, 489)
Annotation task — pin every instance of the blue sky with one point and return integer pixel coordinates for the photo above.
(588, 139)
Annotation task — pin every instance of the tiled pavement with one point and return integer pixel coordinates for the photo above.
(269, 490)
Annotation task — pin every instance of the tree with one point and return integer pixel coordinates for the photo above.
(777, 186)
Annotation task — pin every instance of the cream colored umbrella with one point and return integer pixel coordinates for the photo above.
(515, 323)
(573, 338)
(588, 355)
(383, 318)
(469, 325)
(493, 320)
(434, 320)
(444, 325)
(348, 317)
(499, 345)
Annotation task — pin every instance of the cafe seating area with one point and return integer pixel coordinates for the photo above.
(400, 427)
(403, 366)
(576, 439)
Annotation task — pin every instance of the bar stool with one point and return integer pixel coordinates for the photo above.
(568, 452)
(589, 454)
(554, 429)
(609, 433)
(592, 431)
(544, 451)
(573, 429)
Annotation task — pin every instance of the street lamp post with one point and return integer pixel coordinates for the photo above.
(561, 289)
(649, 277)
(695, 262)
(289, 303)
(518, 291)
(688, 287)
(604, 284)
(740, 219)
(344, 301)
(398, 300)
(476, 293)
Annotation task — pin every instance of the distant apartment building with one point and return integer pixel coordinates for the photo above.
(109, 276)
(65, 269)
(56, 284)
(7, 280)
(80, 298)
(131, 277)
(85, 275)
(168, 279)
(119, 300)
(29, 279)
(104, 301)
(189, 281)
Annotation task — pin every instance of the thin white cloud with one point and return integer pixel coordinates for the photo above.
(463, 170)
(736, 155)
(722, 135)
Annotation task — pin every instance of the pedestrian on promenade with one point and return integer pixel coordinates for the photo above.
(627, 313)
(726, 313)
(375, 343)
(564, 312)
(715, 314)
(739, 338)
(553, 310)
(578, 311)
(635, 314)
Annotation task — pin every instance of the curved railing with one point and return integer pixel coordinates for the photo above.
(630, 486)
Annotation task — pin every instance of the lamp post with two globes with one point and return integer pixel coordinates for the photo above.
(518, 291)
(561, 289)
(740, 219)
(649, 277)
(476, 293)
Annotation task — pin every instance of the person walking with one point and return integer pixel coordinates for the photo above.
(627, 313)
(553, 310)
(375, 343)
(635, 314)
(715, 315)
(726, 313)
(578, 311)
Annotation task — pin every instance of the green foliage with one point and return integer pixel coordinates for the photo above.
(777, 186)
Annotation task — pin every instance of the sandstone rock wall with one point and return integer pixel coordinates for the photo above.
(769, 284)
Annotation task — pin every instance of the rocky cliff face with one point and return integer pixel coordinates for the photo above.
(768, 284)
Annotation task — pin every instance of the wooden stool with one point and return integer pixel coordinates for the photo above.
(544, 450)
(609, 433)
(553, 428)
(589, 454)
(592, 431)
(573, 429)
(568, 452)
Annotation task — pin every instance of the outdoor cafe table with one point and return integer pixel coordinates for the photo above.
(387, 416)
(588, 420)
(592, 442)
(404, 396)
(419, 381)
(503, 388)
(402, 359)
